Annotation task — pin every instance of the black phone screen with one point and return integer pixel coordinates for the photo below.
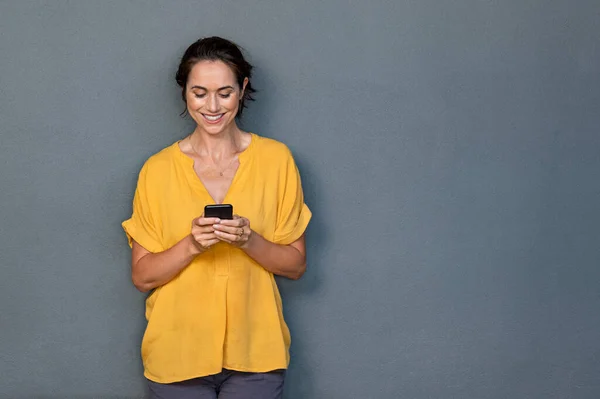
(221, 211)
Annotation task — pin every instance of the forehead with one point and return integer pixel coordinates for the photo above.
(211, 74)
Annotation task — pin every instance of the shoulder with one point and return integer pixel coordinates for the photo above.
(162, 161)
(273, 150)
(157, 169)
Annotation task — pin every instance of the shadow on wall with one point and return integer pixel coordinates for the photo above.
(296, 294)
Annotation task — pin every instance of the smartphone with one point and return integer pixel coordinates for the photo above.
(221, 211)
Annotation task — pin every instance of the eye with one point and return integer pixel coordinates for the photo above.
(225, 95)
(199, 95)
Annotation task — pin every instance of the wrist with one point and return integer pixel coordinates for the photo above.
(193, 249)
(251, 240)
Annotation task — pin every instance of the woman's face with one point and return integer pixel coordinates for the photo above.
(213, 96)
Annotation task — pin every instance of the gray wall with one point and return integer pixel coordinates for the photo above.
(449, 150)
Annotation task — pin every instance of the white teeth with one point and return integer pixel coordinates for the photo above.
(213, 117)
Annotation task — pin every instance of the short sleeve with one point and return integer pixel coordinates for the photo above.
(142, 226)
(293, 214)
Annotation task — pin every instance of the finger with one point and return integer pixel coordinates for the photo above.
(202, 221)
(235, 230)
(203, 236)
(232, 222)
(224, 237)
(231, 238)
(207, 243)
(202, 229)
(212, 242)
(221, 239)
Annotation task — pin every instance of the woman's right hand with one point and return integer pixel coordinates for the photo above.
(203, 233)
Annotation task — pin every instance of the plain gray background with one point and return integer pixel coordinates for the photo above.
(449, 151)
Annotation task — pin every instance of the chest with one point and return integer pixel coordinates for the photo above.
(186, 189)
(217, 183)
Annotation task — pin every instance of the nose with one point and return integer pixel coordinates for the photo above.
(212, 105)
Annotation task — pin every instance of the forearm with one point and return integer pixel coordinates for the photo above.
(283, 260)
(152, 270)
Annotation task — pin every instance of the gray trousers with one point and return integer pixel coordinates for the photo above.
(228, 384)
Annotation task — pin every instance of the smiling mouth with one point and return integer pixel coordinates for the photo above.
(213, 118)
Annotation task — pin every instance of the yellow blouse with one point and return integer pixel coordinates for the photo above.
(223, 310)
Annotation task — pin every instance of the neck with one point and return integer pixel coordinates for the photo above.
(216, 146)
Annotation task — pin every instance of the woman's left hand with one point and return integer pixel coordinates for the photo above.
(236, 231)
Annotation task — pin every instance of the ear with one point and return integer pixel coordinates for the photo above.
(244, 87)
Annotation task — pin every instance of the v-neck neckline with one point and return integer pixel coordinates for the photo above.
(243, 157)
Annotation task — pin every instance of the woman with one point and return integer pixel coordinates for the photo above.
(215, 322)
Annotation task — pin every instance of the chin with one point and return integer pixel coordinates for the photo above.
(211, 129)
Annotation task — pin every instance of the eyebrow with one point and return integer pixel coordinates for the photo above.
(219, 89)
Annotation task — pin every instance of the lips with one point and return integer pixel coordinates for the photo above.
(213, 119)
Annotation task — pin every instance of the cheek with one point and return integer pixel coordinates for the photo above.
(232, 103)
(228, 102)
(193, 102)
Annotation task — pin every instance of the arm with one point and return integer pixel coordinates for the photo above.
(284, 260)
(150, 270)
(292, 216)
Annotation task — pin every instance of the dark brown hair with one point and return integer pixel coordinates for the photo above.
(217, 49)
